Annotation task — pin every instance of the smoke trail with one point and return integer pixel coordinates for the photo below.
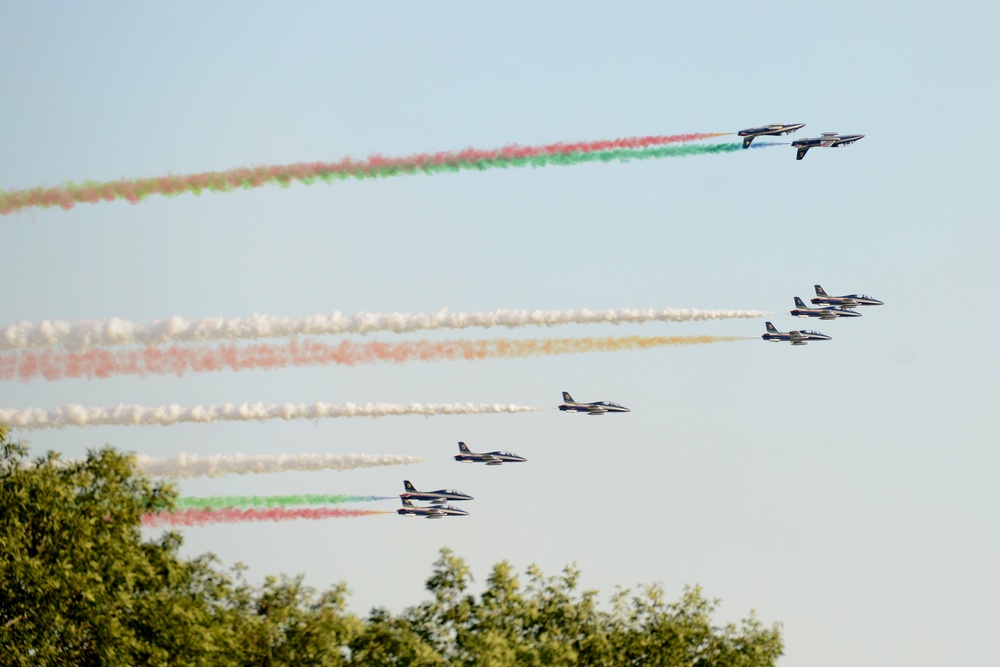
(126, 414)
(135, 190)
(201, 517)
(115, 331)
(244, 502)
(186, 466)
(175, 360)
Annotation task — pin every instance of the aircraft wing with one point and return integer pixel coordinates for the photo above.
(795, 336)
(596, 411)
(490, 457)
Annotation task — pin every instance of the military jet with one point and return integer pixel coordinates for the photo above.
(849, 301)
(432, 512)
(793, 337)
(777, 129)
(825, 140)
(436, 497)
(489, 458)
(827, 313)
(598, 408)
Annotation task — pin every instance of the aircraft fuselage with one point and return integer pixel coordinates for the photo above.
(826, 140)
(824, 313)
(850, 301)
(776, 129)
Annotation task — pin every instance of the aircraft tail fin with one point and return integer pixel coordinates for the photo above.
(408, 486)
(462, 447)
(801, 152)
(770, 327)
(567, 398)
(820, 291)
(746, 141)
(799, 303)
(407, 502)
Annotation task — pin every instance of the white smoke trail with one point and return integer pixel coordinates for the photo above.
(193, 465)
(126, 414)
(115, 331)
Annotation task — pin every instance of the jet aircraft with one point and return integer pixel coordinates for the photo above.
(776, 129)
(793, 337)
(439, 496)
(827, 313)
(432, 512)
(826, 140)
(598, 408)
(489, 458)
(849, 301)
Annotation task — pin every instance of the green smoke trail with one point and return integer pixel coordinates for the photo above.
(135, 190)
(243, 502)
(534, 161)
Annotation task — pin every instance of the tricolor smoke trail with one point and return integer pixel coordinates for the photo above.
(125, 414)
(201, 517)
(178, 360)
(186, 466)
(135, 190)
(245, 502)
(115, 331)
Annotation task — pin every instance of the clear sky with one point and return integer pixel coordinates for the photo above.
(847, 489)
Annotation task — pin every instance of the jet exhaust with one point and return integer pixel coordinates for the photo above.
(201, 517)
(186, 466)
(116, 331)
(126, 414)
(26, 365)
(135, 190)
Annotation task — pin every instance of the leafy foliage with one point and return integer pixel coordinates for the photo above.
(79, 586)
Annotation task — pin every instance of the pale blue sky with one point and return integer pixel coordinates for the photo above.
(847, 489)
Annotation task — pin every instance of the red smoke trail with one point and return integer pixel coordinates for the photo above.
(134, 190)
(25, 365)
(201, 517)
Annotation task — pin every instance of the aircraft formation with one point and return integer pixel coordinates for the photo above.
(437, 499)
(826, 307)
(825, 140)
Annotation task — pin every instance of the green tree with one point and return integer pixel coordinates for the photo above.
(79, 586)
(551, 621)
(77, 583)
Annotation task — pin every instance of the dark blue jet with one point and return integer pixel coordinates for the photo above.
(827, 313)
(825, 140)
(793, 337)
(439, 496)
(432, 512)
(598, 408)
(776, 129)
(848, 301)
(465, 455)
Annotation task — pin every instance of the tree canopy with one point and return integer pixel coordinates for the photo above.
(80, 586)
